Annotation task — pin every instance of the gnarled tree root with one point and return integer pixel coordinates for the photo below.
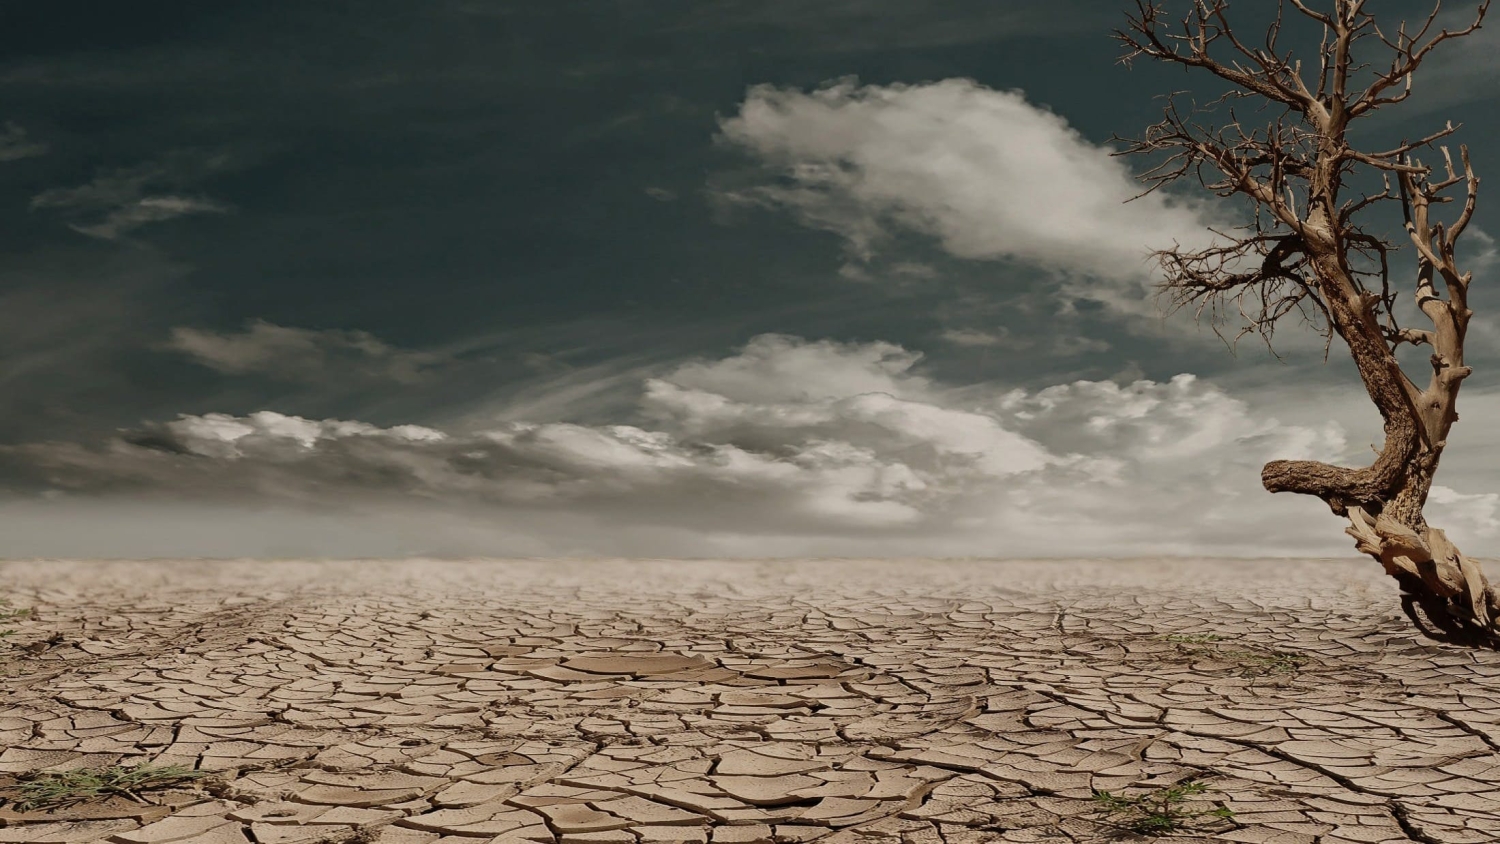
(1450, 588)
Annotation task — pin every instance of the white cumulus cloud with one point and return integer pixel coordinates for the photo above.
(788, 446)
(987, 173)
(1473, 514)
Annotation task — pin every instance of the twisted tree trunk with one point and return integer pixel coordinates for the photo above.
(1384, 502)
(1305, 242)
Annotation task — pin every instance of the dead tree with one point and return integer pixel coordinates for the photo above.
(1312, 247)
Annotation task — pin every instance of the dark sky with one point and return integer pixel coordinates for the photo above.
(476, 216)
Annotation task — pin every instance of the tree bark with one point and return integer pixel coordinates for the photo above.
(1384, 502)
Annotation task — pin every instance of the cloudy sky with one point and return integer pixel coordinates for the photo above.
(642, 278)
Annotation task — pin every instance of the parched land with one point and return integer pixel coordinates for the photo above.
(735, 702)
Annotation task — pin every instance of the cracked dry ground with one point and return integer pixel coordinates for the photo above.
(650, 701)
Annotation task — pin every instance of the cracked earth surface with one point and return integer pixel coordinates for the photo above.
(911, 701)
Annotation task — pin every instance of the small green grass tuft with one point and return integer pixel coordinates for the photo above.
(1194, 638)
(8, 614)
(1254, 661)
(1159, 812)
(53, 789)
(1268, 662)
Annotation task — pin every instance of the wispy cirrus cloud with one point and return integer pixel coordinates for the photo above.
(302, 354)
(1003, 338)
(859, 25)
(116, 203)
(16, 144)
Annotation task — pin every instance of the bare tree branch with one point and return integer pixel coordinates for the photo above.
(1409, 53)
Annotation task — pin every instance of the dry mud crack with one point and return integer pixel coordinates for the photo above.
(740, 702)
